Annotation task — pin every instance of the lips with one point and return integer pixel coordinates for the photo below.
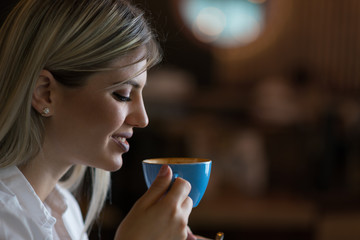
(121, 141)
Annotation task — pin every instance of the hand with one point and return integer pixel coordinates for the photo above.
(158, 214)
(191, 236)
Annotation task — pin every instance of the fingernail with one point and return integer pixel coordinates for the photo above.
(163, 170)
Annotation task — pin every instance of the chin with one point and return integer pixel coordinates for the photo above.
(108, 164)
(114, 165)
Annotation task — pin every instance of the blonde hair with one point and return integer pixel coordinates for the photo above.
(72, 39)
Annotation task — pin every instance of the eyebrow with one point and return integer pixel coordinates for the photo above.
(126, 82)
(132, 83)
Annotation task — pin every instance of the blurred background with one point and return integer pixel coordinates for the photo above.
(268, 90)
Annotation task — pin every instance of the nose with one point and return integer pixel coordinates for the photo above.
(138, 116)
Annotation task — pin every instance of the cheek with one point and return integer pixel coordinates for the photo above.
(114, 116)
(106, 116)
(91, 116)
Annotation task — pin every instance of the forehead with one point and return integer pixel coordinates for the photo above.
(130, 65)
(129, 58)
(126, 68)
(121, 71)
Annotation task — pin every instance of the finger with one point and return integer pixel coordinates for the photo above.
(179, 191)
(189, 230)
(160, 185)
(187, 207)
(190, 236)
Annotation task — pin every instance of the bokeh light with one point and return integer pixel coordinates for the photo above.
(224, 23)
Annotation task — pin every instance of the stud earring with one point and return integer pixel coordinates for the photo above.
(45, 111)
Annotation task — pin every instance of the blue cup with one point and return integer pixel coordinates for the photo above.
(195, 170)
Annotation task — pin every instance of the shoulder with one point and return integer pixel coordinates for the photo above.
(14, 223)
(8, 200)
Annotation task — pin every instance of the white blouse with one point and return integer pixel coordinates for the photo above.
(24, 216)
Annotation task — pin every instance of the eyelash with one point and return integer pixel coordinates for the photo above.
(121, 98)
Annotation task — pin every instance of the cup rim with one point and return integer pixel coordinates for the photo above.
(174, 160)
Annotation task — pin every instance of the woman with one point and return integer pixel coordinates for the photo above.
(71, 79)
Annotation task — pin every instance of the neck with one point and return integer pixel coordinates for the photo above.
(43, 175)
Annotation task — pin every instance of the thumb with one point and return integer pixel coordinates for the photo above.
(160, 185)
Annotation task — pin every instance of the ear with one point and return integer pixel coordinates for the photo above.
(42, 95)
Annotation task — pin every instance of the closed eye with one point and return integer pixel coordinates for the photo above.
(121, 98)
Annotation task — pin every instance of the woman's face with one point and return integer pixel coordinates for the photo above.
(90, 125)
